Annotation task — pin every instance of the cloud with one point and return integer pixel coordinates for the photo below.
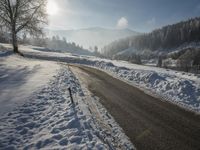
(152, 21)
(122, 23)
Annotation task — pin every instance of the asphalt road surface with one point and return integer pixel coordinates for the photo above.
(151, 124)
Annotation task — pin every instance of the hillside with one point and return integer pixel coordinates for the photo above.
(178, 43)
(91, 37)
(165, 39)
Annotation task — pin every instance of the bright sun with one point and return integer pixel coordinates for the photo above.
(52, 8)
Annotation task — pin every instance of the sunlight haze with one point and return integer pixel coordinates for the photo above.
(52, 8)
(138, 15)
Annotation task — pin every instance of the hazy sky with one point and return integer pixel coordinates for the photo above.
(139, 15)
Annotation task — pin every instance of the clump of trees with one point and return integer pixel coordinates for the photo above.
(22, 16)
(189, 60)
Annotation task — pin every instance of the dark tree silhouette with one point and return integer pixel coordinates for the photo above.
(22, 15)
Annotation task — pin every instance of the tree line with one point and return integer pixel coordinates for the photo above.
(55, 43)
(163, 39)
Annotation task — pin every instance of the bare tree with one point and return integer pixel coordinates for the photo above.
(26, 16)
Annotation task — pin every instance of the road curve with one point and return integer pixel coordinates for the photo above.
(151, 124)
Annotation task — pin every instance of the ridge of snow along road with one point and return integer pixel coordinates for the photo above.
(48, 120)
(175, 89)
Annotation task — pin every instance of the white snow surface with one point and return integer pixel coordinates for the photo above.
(20, 77)
(46, 118)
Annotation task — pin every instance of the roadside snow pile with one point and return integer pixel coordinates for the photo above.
(181, 91)
(48, 120)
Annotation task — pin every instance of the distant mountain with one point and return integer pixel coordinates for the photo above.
(91, 37)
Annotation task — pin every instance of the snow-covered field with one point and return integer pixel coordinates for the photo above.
(46, 118)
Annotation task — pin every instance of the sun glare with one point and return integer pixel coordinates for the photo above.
(52, 8)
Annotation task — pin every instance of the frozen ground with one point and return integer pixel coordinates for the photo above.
(46, 118)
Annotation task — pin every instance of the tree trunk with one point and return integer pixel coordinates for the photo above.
(15, 44)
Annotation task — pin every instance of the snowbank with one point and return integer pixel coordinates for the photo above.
(48, 120)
